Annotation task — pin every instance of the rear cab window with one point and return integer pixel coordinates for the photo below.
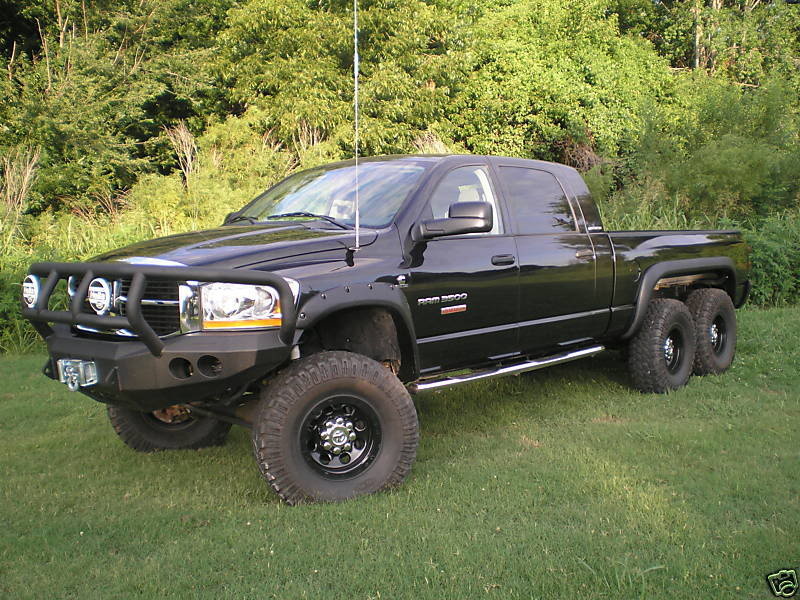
(536, 201)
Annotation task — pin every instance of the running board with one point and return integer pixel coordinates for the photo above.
(531, 365)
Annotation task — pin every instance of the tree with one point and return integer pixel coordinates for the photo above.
(97, 95)
(554, 80)
(293, 61)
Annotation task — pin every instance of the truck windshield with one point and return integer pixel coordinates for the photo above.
(330, 194)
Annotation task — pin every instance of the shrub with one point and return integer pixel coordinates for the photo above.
(645, 204)
(722, 150)
(776, 260)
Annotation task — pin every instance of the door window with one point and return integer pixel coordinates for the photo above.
(465, 184)
(536, 201)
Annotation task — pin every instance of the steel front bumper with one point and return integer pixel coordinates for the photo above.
(191, 367)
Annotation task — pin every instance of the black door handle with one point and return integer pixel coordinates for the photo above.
(503, 259)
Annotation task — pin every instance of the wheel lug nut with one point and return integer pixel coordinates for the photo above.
(349, 425)
(328, 423)
(348, 447)
(351, 437)
(337, 450)
(327, 445)
(339, 420)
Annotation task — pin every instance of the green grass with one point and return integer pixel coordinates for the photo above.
(558, 484)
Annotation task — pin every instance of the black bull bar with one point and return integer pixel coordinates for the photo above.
(40, 315)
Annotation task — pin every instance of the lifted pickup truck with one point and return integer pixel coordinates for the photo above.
(288, 320)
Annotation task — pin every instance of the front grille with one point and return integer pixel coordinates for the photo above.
(163, 318)
(154, 290)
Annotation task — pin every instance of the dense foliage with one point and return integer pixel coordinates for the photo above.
(129, 119)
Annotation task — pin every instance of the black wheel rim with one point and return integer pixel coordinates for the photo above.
(340, 436)
(718, 335)
(673, 350)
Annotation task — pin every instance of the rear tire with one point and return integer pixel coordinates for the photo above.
(715, 328)
(333, 426)
(662, 351)
(145, 432)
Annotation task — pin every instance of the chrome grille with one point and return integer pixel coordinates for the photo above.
(160, 305)
(154, 290)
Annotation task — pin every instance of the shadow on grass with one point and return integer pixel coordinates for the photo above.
(549, 394)
(484, 408)
(557, 395)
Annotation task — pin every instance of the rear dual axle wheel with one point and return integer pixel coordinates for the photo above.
(661, 354)
(715, 327)
(678, 339)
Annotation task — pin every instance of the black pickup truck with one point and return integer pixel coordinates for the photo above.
(313, 332)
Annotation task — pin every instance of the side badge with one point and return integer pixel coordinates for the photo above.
(449, 310)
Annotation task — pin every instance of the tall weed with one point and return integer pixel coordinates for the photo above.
(648, 205)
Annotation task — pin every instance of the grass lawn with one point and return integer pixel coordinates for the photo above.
(557, 484)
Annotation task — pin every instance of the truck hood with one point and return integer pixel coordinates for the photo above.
(241, 245)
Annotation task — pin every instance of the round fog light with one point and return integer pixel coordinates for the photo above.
(30, 290)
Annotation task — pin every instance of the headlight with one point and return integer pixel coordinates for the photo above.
(30, 290)
(239, 306)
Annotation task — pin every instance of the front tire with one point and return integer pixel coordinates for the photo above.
(168, 429)
(333, 426)
(662, 352)
(715, 327)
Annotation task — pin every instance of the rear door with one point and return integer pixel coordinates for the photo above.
(463, 289)
(559, 303)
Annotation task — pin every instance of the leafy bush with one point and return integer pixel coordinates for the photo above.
(553, 79)
(647, 206)
(720, 150)
(776, 260)
(294, 62)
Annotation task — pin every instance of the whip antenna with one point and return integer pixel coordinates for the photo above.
(355, 112)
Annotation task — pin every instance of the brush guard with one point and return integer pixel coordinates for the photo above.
(41, 316)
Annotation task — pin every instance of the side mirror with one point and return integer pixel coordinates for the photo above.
(464, 217)
(228, 217)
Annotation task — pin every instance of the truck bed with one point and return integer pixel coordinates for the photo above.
(639, 257)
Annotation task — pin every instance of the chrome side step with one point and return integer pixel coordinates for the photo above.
(515, 369)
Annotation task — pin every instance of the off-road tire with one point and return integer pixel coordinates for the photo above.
(145, 433)
(715, 328)
(288, 428)
(649, 364)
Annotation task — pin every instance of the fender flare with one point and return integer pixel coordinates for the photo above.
(362, 295)
(719, 264)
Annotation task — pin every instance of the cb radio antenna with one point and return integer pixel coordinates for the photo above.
(355, 113)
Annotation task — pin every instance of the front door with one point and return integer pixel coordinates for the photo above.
(463, 289)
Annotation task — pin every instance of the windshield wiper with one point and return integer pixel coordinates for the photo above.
(248, 218)
(311, 215)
